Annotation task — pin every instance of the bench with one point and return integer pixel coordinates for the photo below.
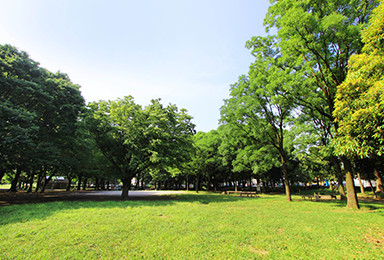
(233, 192)
(249, 194)
(327, 197)
(317, 197)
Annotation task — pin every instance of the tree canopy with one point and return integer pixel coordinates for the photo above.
(135, 140)
(359, 106)
(310, 107)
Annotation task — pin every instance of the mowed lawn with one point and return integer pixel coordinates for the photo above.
(193, 226)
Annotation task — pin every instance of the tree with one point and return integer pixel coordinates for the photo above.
(135, 140)
(208, 160)
(316, 40)
(359, 105)
(17, 112)
(171, 133)
(246, 156)
(257, 104)
(38, 112)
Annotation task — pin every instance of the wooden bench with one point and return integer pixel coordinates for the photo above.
(327, 197)
(233, 192)
(249, 194)
(317, 197)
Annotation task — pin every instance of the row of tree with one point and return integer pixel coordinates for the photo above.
(38, 118)
(311, 106)
(47, 130)
(319, 79)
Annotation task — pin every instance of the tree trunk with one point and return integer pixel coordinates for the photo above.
(2, 173)
(361, 183)
(197, 184)
(102, 184)
(379, 181)
(97, 184)
(373, 190)
(215, 186)
(85, 183)
(69, 184)
(351, 194)
(15, 180)
(285, 174)
(343, 195)
(39, 180)
(126, 188)
(46, 181)
(263, 187)
(209, 188)
(339, 175)
(31, 182)
(187, 183)
(79, 182)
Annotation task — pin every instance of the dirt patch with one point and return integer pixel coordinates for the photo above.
(376, 238)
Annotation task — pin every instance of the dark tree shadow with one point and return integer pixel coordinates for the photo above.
(24, 207)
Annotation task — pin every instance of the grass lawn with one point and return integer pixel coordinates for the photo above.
(193, 226)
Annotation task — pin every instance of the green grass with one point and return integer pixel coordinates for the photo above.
(203, 226)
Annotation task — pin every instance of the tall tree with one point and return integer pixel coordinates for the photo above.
(38, 111)
(111, 123)
(134, 139)
(359, 106)
(318, 37)
(257, 101)
(208, 160)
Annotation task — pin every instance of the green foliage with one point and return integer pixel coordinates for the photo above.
(316, 39)
(257, 106)
(136, 140)
(359, 106)
(208, 162)
(191, 226)
(38, 113)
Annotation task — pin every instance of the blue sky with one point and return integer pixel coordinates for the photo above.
(186, 52)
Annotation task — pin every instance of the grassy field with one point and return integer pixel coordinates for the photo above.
(203, 226)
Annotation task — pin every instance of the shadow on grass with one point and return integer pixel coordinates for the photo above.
(28, 209)
(366, 205)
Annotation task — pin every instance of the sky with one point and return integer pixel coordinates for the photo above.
(186, 52)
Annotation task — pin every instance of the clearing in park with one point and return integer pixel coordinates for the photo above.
(193, 226)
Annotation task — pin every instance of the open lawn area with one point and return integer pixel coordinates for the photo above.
(193, 226)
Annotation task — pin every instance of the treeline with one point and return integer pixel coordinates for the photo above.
(38, 120)
(314, 93)
(47, 130)
(310, 107)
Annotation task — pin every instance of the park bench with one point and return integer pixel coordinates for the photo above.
(233, 192)
(310, 197)
(318, 196)
(248, 194)
(327, 197)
